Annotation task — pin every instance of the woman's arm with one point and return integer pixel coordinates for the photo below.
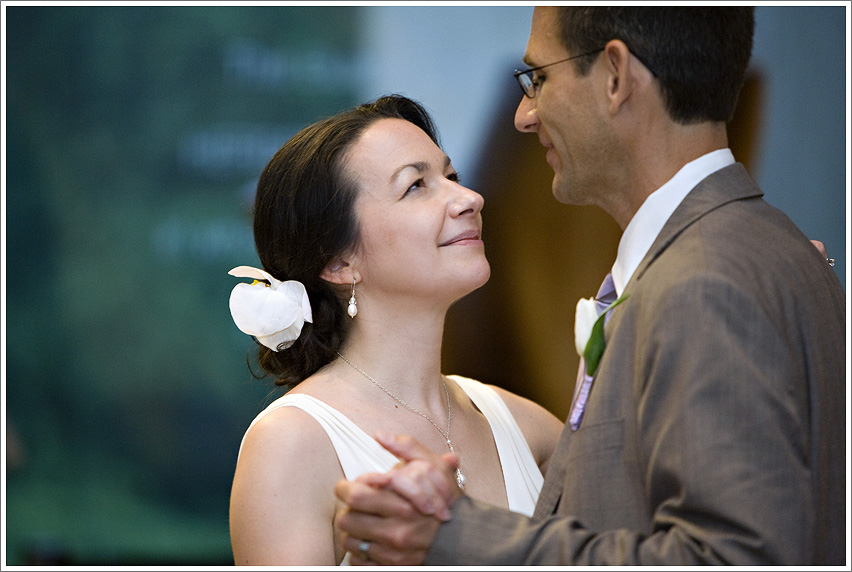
(282, 505)
(540, 427)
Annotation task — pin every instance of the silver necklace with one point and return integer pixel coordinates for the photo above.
(460, 478)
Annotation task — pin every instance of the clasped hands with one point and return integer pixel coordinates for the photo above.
(396, 515)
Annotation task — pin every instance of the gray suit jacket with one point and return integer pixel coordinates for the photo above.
(714, 431)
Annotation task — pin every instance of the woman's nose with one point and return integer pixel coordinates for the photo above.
(466, 201)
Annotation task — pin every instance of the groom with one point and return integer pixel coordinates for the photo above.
(713, 426)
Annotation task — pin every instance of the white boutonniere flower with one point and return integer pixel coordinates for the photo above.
(584, 320)
(589, 331)
(268, 309)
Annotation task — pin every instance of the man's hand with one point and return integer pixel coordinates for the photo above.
(821, 247)
(398, 513)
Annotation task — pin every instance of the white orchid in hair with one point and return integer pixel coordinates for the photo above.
(270, 310)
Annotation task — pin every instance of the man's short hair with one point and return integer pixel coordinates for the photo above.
(698, 54)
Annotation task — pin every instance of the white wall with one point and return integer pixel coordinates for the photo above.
(448, 58)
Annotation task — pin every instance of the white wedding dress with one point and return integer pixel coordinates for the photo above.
(359, 453)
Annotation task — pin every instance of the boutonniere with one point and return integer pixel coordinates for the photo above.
(589, 331)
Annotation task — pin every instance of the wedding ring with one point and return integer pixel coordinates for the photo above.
(363, 547)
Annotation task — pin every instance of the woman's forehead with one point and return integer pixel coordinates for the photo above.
(389, 146)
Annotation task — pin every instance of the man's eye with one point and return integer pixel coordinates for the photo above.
(454, 177)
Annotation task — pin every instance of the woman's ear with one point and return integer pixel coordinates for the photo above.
(339, 271)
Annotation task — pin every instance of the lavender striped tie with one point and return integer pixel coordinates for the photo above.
(606, 296)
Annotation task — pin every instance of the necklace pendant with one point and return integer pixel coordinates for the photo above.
(460, 479)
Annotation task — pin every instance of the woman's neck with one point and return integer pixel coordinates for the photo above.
(401, 353)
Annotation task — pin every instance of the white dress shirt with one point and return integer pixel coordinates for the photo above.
(648, 221)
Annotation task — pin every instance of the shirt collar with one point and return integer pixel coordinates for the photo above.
(648, 221)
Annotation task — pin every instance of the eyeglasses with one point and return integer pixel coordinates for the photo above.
(525, 77)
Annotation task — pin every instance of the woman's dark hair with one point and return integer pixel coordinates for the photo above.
(304, 219)
(698, 54)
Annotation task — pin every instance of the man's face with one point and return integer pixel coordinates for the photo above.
(567, 113)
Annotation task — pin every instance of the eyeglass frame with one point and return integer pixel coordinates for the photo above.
(525, 73)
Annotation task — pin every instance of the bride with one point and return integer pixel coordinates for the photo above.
(366, 238)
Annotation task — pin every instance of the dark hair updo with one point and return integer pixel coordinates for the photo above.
(304, 218)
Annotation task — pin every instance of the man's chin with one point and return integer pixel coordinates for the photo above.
(561, 191)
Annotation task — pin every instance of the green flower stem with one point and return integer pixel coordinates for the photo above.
(595, 346)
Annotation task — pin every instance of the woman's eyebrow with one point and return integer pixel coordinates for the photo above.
(419, 166)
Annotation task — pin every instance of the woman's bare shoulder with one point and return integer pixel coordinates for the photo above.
(282, 501)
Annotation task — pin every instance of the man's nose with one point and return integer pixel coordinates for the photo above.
(526, 116)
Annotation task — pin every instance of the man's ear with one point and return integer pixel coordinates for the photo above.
(339, 271)
(621, 80)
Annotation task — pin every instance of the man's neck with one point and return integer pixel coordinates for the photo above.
(658, 157)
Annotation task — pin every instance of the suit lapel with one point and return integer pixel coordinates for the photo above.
(726, 185)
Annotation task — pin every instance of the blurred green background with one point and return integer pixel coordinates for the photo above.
(136, 135)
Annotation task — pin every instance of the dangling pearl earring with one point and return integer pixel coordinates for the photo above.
(353, 305)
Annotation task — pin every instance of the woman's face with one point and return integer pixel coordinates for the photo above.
(420, 229)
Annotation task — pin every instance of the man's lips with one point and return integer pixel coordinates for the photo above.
(470, 235)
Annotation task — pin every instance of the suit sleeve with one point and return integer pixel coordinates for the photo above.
(720, 408)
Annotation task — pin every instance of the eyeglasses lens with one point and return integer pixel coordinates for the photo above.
(526, 84)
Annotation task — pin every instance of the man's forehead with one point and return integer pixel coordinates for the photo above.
(544, 42)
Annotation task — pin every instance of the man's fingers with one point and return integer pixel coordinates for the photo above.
(374, 479)
(355, 561)
(357, 527)
(401, 542)
(364, 498)
(354, 545)
(405, 447)
(378, 525)
(423, 486)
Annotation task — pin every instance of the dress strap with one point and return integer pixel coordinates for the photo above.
(357, 451)
(520, 471)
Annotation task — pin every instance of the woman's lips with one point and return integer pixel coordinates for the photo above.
(463, 238)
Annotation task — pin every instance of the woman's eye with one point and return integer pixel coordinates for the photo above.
(416, 185)
(421, 183)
